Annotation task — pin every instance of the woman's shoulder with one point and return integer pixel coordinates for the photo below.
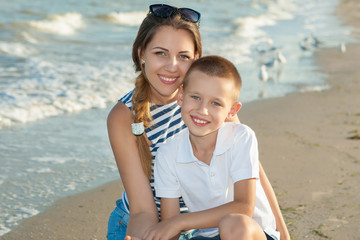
(120, 116)
(122, 109)
(127, 98)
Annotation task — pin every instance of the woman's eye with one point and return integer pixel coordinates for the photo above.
(160, 53)
(195, 97)
(186, 57)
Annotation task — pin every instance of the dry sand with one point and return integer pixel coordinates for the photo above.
(306, 148)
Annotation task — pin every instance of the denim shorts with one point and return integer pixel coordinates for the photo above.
(118, 222)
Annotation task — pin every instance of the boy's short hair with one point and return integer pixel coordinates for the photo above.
(218, 67)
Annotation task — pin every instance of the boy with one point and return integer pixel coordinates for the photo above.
(212, 165)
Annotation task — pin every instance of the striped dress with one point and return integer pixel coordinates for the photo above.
(166, 123)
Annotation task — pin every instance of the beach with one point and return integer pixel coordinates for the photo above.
(309, 147)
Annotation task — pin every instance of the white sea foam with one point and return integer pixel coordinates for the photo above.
(2, 181)
(28, 211)
(250, 26)
(56, 160)
(41, 170)
(4, 230)
(22, 213)
(126, 18)
(49, 92)
(29, 37)
(313, 88)
(70, 187)
(16, 49)
(62, 24)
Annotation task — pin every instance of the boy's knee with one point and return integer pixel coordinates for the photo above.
(238, 226)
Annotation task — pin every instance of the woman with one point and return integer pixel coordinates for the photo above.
(167, 43)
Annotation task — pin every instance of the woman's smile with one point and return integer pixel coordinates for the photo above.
(167, 79)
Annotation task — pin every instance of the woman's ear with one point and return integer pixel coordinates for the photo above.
(180, 95)
(139, 54)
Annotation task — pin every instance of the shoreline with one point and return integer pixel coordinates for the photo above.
(304, 148)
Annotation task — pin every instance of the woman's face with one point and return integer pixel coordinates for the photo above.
(168, 57)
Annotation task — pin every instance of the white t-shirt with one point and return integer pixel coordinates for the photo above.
(179, 173)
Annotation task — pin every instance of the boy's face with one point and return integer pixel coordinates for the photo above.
(206, 102)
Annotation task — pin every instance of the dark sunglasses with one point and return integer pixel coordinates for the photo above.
(164, 11)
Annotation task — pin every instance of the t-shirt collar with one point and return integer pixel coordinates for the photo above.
(224, 141)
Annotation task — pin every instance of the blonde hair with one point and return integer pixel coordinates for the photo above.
(141, 97)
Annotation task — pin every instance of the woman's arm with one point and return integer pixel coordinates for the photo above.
(143, 212)
(270, 194)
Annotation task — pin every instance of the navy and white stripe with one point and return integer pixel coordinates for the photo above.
(166, 123)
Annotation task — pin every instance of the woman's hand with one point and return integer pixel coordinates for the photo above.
(131, 238)
(164, 230)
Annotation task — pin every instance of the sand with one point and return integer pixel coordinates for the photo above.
(309, 146)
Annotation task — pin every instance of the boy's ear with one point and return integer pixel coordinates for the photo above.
(234, 110)
(180, 95)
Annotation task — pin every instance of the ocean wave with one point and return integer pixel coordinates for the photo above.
(16, 49)
(22, 213)
(250, 26)
(125, 18)
(4, 230)
(50, 90)
(61, 24)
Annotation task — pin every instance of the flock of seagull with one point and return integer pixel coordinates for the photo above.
(272, 56)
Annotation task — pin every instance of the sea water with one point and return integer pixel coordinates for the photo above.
(64, 63)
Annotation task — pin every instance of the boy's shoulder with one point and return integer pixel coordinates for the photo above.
(238, 129)
(231, 135)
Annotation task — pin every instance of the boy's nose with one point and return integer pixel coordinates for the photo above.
(202, 109)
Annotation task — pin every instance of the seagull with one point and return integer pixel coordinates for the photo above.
(271, 63)
(263, 75)
(280, 57)
(303, 46)
(315, 41)
(342, 47)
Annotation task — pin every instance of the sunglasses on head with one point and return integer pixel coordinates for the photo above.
(164, 11)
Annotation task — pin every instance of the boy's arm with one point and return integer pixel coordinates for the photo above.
(270, 194)
(244, 203)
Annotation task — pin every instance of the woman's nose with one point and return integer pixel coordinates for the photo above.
(171, 65)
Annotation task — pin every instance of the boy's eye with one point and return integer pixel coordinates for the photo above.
(216, 103)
